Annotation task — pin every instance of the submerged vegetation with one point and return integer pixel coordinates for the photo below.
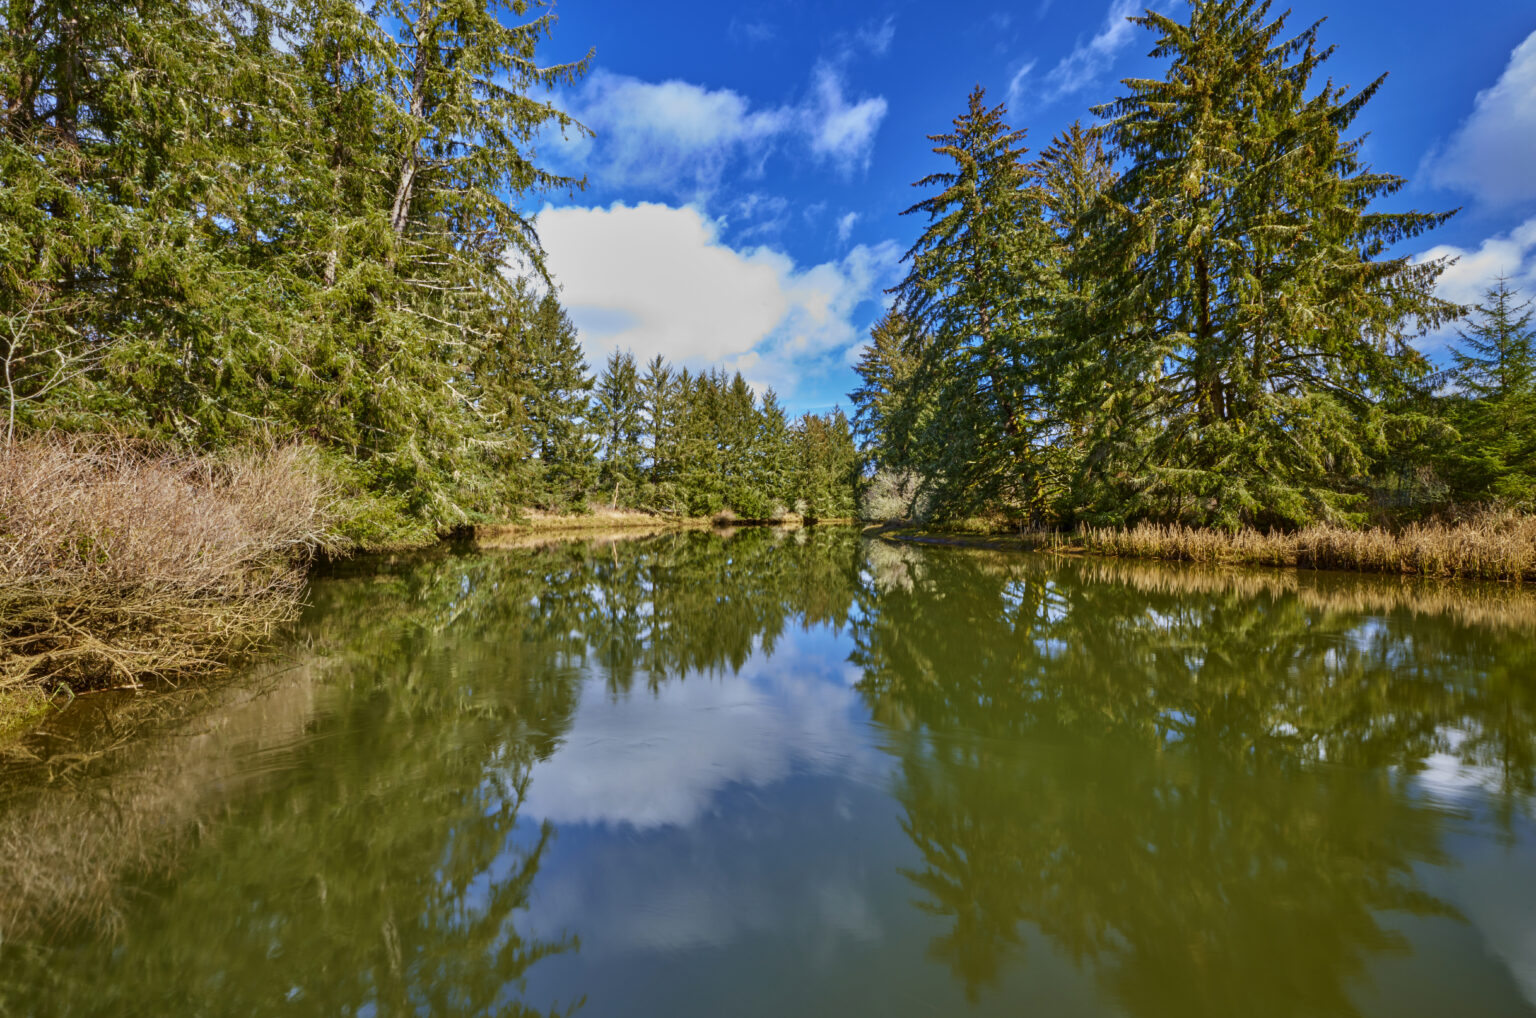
(1196, 313)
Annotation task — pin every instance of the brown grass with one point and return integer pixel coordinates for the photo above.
(1491, 546)
(119, 564)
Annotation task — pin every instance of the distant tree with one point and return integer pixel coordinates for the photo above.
(559, 388)
(618, 421)
(1495, 405)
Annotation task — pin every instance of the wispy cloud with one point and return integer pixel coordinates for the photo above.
(841, 131)
(1085, 66)
(752, 32)
(877, 39)
(845, 225)
(1493, 154)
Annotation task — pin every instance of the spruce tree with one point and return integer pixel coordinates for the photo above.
(1251, 327)
(558, 405)
(973, 287)
(659, 412)
(1494, 408)
(617, 421)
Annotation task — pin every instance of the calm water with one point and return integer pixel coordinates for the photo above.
(804, 774)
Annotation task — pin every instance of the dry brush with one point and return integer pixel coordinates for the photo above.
(120, 564)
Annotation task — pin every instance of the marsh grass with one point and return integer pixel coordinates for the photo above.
(1492, 545)
(120, 564)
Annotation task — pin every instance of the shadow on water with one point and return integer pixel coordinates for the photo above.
(1206, 789)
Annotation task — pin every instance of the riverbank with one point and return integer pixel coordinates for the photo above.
(121, 565)
(1498, 546)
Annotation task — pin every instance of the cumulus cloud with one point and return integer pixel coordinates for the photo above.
(1512, 254)
(1086, 64)
(654, 278)
(1493, 154)
(681, 138)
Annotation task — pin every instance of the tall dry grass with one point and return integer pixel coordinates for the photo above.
(1490, 546)
(119, 564)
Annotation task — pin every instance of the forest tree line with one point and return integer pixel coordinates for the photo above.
(1192, 311)
(260, 222)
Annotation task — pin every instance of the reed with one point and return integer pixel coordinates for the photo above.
(120, 564)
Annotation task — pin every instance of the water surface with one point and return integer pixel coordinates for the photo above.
(803, 774)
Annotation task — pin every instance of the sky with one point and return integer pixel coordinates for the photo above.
(749, 162)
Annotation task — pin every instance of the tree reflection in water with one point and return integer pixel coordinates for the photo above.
(1196, 782)
(1197, 786)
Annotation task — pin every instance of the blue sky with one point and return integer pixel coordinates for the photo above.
(751, 159)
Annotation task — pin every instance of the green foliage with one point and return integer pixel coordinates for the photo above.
(1193, 312)
(1494, 407)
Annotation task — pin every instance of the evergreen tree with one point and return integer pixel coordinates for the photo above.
(772, 471)
(1495, 407)
(974, 288)
(558, 404)
(1496, 360)
(1250, 329)
(659, 411)
(887, 401)
(617, 420)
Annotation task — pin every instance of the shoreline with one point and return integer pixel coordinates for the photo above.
(1492, 548)
(25, 704)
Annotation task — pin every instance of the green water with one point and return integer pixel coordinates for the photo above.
(802, 774)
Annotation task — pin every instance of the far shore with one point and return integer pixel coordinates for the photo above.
(1496, 546)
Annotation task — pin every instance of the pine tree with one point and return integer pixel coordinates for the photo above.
(973, 288)
(659, 411)
(1072, 177)
(558, 406)
(617, 420)
(1250, 326)
(1495, 406)
(887, 401)
(1497, 356)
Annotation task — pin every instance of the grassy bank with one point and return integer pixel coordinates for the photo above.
(1491, 546)
(119, 565)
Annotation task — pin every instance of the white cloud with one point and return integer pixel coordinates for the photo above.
(878, 38)
(1086, 64)
(1493, 154)
(1512, 254)
(660, 759)
(681, 138)
(653, 278)
(845, 226)
(671, 134)
(841, 131)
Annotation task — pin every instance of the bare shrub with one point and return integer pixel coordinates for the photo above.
(119, 564)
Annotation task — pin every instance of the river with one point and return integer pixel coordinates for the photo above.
(801, 773)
